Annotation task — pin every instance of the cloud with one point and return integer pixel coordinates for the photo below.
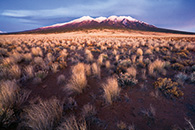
(163, 13)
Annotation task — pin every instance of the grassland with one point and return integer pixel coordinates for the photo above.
(98, 80)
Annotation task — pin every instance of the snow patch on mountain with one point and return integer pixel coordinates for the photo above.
(100, 19)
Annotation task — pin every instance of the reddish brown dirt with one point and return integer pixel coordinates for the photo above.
(169, 112)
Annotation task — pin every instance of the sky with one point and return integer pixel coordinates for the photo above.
(20, 15)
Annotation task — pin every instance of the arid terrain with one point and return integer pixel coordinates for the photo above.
(97, 80)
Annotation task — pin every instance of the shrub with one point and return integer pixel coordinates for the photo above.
(111, 90)
(181, 77)
(78, 79)
(44, 115)
(168, 87)
(192, 77)
(126, 79)
(72, 124)
(177, 66)
(41, 74)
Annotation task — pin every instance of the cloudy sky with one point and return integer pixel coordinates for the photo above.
(19, 15)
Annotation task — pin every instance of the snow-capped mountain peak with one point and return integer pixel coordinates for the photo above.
(98, 19)
(84, 18)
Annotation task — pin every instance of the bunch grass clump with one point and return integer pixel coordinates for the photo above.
(111, 90)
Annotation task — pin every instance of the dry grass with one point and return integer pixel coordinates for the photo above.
(78, 79)
(61, 79)
(156, 66)
(54, 67)
(15, 71)
(72, 124)
(89, 55)
(96, 71)
(8, 93)
(139, 52)
(88, 69)
(107, 64)
(148, 52)
(44, 115)
(27, 57)
(88, 111)
(111, 90)
(132, 71)
(100, 59)
(29, 71)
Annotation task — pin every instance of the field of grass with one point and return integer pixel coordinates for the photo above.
(97, 80)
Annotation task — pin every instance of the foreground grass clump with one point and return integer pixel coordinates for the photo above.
(72, 124)
(45, 115)
(11, 100)
(168, 87)
(111, 90)
(78, 79)
(156, 67)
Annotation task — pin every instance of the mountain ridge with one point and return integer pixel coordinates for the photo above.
(112, 22)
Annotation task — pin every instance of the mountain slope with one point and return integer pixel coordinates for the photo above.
(112, 22)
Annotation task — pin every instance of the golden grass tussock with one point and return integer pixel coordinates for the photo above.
(132, 71)
(148, 52)
(8, 93)
(88, 69)
(15, 71)
(157, 65)
(96, 71)
(71, 123)
(139, 52)
(78, 80)
(27, 56)
(107, 64)
(44, 115)
(100, 59)
(29, 71)
(111, 90)
(54, 67)
(37, 51)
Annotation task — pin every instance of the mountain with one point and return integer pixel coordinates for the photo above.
(112, 22)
